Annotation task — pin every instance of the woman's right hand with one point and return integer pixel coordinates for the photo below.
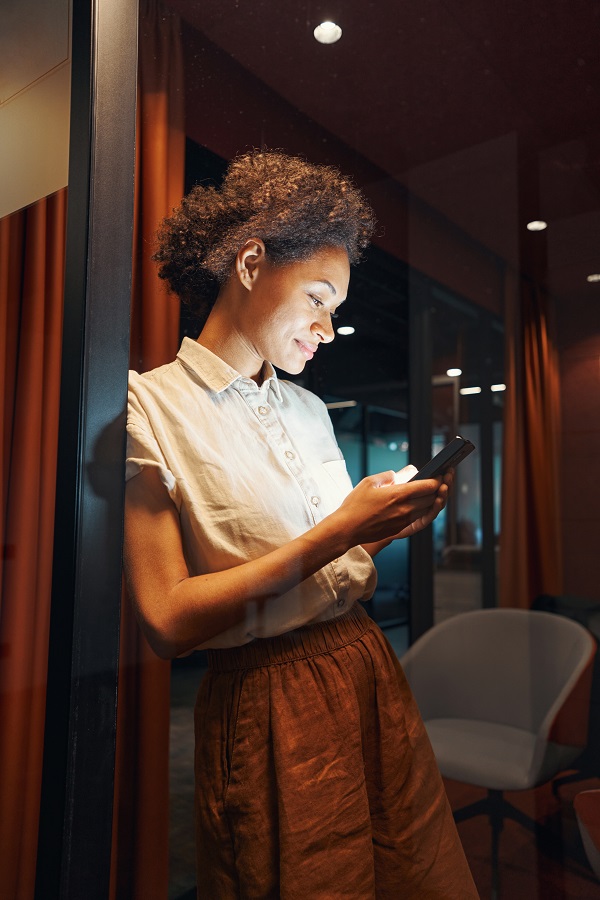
(379, 509)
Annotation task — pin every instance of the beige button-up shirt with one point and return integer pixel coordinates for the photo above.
(249, 468)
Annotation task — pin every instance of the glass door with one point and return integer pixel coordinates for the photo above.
(467, 399)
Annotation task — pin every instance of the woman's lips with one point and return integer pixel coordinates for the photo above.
(308, 352)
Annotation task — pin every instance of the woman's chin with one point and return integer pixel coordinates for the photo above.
(291, 367)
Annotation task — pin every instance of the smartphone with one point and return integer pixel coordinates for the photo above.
(447, 458)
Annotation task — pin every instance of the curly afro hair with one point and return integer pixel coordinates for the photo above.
(296, 209)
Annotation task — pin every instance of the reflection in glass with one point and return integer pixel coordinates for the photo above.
(459, 142)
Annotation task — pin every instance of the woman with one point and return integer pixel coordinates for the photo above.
(314, 775)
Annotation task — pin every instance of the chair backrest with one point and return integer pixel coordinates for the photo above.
(508, 666)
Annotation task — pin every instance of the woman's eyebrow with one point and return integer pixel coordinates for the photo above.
(327, 284)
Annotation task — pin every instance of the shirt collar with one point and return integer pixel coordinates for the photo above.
(218, 375)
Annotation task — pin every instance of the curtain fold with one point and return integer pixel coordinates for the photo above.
(139, 869)
(32, 253)
(530, 541)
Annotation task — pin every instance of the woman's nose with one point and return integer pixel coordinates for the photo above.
(324, 329)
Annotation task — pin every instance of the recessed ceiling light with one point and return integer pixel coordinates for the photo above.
(537, 225)
(594, 277)
(470, 390)
(327, 33)
(345, 329)
(498, 387)
(454, 373)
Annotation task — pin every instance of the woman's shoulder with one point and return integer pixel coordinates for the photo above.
(163, 380)
(152, 375)
(160, 394)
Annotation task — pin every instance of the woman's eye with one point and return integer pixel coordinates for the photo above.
(318, 303)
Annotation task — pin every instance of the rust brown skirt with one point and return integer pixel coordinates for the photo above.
(315, 777)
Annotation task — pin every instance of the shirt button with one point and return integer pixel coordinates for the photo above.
(315, 501)
(289, 454)
(263, 410)
(341, 602)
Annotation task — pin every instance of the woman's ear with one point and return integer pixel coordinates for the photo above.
(248, 261)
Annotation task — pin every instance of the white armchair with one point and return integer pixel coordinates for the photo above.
(504, 694)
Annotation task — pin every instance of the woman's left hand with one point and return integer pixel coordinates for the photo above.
(402, 476)
(438, 505)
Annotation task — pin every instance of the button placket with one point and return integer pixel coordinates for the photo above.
(267, 415)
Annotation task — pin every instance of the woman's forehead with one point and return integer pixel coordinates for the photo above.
(329, 267)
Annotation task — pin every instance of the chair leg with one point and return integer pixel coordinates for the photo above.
(579, 775)
(493, 807)
(479, 808)
(495, 810)
(546, 840)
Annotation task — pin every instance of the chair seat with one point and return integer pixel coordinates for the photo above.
(497, 757)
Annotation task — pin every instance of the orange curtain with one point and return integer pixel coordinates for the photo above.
(530, 544)
(32, 253)
(141, 815)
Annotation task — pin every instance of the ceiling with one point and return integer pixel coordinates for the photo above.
(485, 111)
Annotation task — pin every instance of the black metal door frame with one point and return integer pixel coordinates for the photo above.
(79, 748)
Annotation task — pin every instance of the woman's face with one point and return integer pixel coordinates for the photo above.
(289, 308)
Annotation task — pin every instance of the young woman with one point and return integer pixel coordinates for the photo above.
(314, 774)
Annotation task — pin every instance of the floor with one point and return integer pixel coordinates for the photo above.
(525, 872)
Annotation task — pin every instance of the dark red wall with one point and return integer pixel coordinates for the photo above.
(579, 347)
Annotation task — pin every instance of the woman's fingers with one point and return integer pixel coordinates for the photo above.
(380, 508)
(405, 474)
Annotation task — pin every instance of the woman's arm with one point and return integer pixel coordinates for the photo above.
(178, 612)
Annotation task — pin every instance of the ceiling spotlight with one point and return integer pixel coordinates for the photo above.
(498, 387)
(454, 373)
(594, 277)
(537, 225)
(470, 390)
(345, 329)
(327, 33)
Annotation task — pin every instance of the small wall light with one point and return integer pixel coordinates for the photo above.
(454, 373)
(327, 33)
(594, 277)
(537, 225)
(345, 329)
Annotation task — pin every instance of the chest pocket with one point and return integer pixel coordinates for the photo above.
(335, 483)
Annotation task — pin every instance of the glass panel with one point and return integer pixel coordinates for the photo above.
(459, 140)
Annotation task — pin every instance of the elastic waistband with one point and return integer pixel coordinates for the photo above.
(310, 640)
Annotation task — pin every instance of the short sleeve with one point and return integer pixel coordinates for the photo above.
(143, 449)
